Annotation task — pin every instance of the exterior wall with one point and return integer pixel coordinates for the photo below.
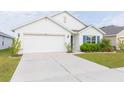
(112, 39)
(79, 38)
(119, 36)
(76, 46)
(89, 31)
(71, 22)
(42, 27)
(7, 42)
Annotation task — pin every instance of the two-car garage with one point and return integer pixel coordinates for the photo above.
(43, 43)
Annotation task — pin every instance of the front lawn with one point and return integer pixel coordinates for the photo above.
(111, 60)
(7, 65)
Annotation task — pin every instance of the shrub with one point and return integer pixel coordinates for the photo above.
(89, 47)
(15, 46)
(68, 47)
(105, 45)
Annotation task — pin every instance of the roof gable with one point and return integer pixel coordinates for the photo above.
(69, 15)
(94, 28)
(42, 19)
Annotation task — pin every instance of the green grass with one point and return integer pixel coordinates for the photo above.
(7, 65)
(111, 60)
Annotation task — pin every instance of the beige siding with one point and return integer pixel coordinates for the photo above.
(112, 39)
(120, 36)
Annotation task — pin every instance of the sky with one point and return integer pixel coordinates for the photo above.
(9, 20)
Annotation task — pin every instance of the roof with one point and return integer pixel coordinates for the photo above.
(5, 35)
(17, 27)
(70, 15)
(90, 27)
(112, 29)
(59, 24)
(80, 29)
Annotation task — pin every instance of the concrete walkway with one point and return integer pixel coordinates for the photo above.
(62, 67)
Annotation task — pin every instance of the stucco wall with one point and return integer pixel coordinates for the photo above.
(71, 22)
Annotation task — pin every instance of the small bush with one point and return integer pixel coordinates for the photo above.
(68, 47)
(89, 47)
(15, 46)
(105, 46)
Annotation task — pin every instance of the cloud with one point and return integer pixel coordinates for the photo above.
(113, 20)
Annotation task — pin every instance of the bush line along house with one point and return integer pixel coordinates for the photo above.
(5, 41)
(49, 34)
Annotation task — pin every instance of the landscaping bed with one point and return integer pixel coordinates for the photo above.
(8, 65)
(111, 60)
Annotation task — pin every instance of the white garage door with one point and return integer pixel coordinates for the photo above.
(43, 43)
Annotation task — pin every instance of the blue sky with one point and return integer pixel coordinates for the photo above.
(8, 20)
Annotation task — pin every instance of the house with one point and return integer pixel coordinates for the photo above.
(49, 34)
(5, 41)
(114, 34)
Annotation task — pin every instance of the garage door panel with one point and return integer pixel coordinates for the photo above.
(42, 43)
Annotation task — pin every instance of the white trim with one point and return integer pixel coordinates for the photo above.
(44, 34)
(110, 35)
(93, 27)
(17, 27)
(5, 35)
(50, 20)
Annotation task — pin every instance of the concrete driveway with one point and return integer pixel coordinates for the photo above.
(62, 67)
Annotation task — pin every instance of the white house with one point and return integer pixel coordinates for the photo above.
(5, 41)
(49, 34)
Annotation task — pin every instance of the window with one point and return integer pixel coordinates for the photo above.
(84, 39)
(94, 39)
(88, 39)
(91, 39)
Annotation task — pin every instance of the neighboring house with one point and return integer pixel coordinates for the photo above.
(114, 34)
(49, 34)
(5, 41)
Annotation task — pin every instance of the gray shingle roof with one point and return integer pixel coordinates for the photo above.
(112, 29)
